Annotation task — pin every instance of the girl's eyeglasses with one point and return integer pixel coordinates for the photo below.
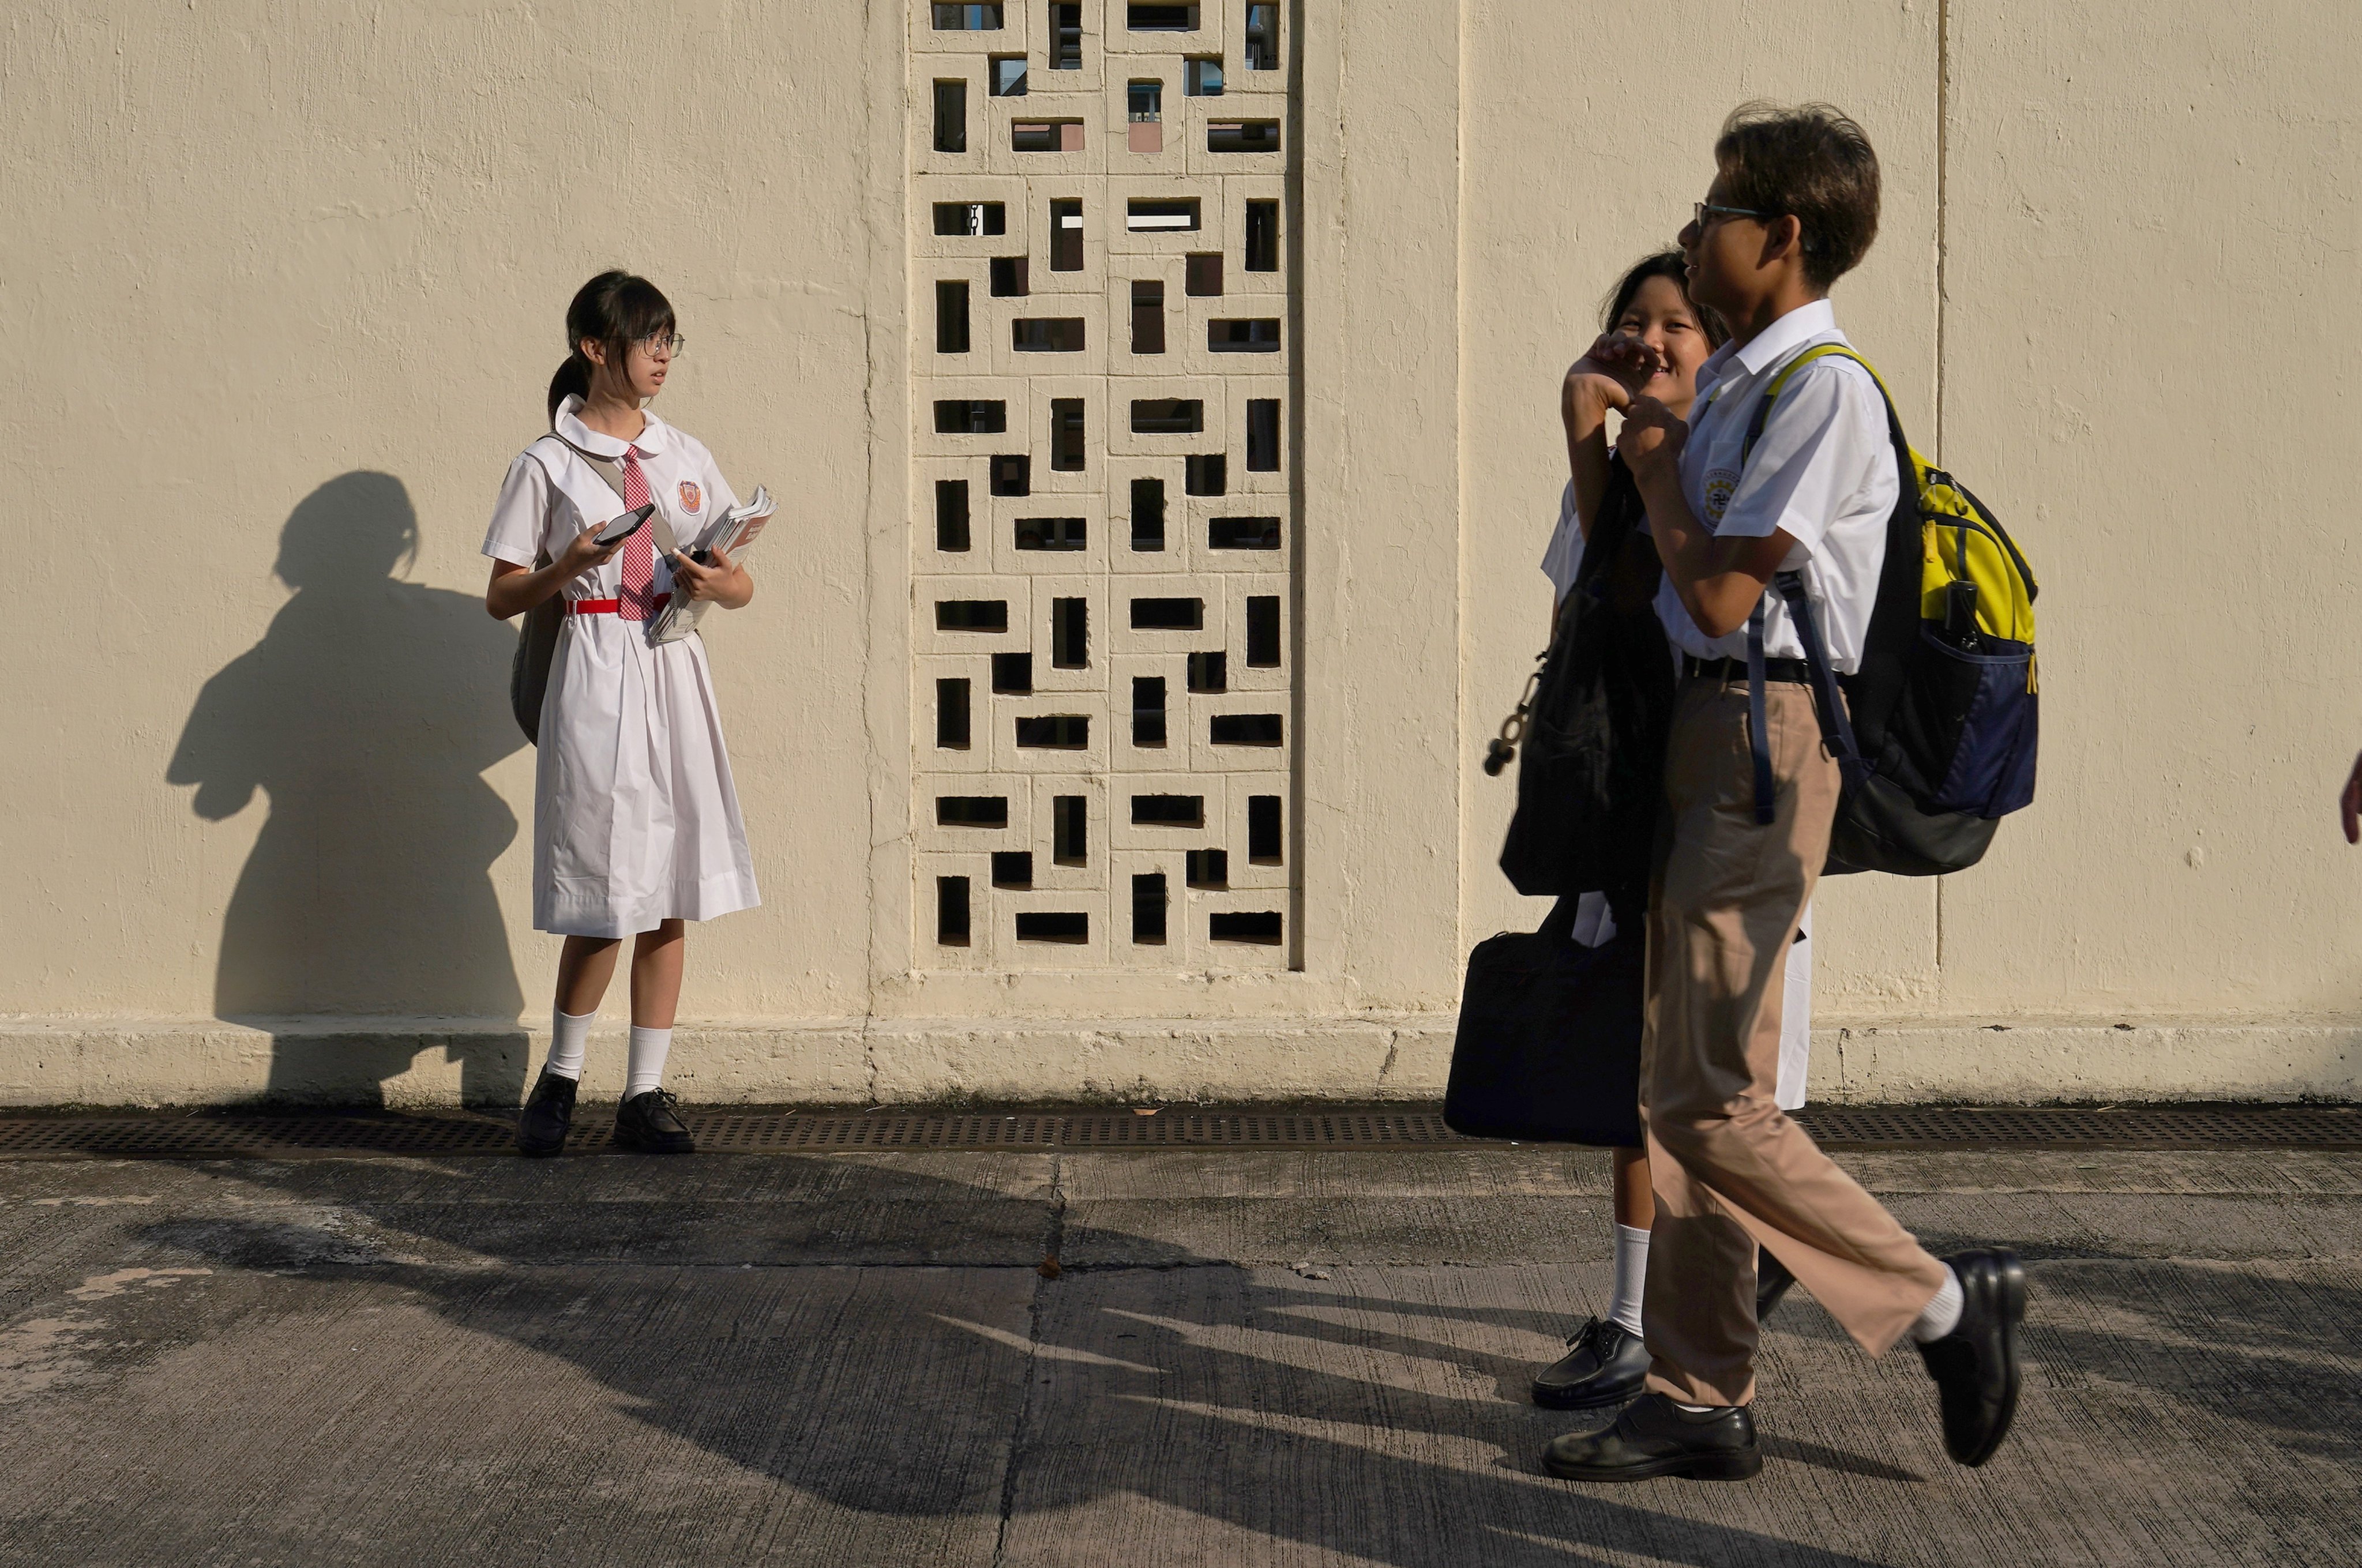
(1699, 211)
(661, 346)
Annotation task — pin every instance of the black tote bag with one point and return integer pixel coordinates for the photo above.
(1548, 1048)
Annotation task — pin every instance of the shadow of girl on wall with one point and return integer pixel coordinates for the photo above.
(367, 715)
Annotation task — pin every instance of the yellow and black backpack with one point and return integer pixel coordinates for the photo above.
(1940, 742)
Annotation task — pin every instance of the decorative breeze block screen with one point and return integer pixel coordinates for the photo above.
(1102, 387)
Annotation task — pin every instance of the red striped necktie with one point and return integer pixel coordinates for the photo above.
(637, 600)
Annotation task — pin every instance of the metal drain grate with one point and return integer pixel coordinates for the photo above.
(212, 1136)
(250, 1137)
(1317, 1129)
(2151, 1127)
(790, 1133)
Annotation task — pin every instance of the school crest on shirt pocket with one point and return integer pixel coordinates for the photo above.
(1720, 483)
(693, 499)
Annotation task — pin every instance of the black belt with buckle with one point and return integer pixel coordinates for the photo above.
(1789, 669)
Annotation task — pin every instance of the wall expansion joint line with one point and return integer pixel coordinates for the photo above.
(1943, 202)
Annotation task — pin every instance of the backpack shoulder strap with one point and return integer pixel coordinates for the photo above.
(660, 531)
(607, 469)
(1836, 731)
(1779, 383)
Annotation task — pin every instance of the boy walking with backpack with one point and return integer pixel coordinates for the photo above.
(1750, 795)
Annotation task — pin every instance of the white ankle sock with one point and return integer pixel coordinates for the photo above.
(644, 1069)
(567, 1031)
(1631, 1273)
(1942, 1314)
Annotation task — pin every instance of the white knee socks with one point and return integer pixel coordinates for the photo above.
(1632, 1274)
(644, 1070)
(1942, 1314)
(567, 1031)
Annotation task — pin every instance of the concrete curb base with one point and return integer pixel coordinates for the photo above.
(423, 1063)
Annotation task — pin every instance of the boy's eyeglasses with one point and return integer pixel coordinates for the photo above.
(664, 345)
(1698, 211)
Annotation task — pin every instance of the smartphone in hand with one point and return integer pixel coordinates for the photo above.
(624, 527)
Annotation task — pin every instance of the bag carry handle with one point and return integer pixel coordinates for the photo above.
(1558, 924)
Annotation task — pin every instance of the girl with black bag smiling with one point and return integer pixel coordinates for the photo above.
(1606, 1362)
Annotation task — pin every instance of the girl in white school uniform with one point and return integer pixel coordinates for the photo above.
(1605, 1362)
(636, 820)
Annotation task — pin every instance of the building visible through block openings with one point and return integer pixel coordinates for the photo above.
(1103, 544)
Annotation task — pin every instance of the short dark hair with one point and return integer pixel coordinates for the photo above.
(1669, 264)
(615, 308)
(1812, 161)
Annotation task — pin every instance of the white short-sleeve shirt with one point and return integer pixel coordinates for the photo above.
(1824, 471)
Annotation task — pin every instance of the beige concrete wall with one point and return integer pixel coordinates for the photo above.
(284, 286)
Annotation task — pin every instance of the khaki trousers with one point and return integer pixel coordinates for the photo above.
(1731, 1171)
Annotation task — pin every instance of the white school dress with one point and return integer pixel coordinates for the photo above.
(636, 819)
(1595, 927)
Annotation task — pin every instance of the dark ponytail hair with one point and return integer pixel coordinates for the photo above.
(615, 308)
(1664, 264)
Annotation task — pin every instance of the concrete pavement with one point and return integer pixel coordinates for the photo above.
(1244, 1357)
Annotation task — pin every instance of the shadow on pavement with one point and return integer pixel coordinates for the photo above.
(892, 1384)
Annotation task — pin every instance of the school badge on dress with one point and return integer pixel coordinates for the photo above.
(691, 498)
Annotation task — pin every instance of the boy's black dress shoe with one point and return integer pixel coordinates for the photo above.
(1656, 1437)
(542, 1129)
(1975, 1365)
(1606, 1366)
(650, 1121)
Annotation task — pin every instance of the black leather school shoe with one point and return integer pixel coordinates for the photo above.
(650, 1122)
(1606, 1365)
(541, 1130)
(1656, 1437)
(1975, 1366)
(1772, 1282)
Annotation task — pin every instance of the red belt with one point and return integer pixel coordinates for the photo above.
(610, 606)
